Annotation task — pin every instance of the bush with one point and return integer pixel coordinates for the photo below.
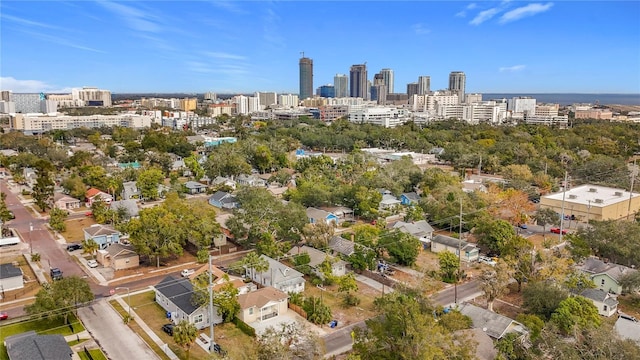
(351, 300)
(347, 224)
(244, 327)
(202, 256)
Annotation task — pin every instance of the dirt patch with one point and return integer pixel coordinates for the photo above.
(74, 232)
(346, 315)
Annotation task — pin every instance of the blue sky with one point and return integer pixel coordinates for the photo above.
(246, 46)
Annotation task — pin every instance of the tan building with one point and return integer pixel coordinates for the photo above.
(592, 202)
(188, 104)
(600, 114)
(118, 257)
(262, 304)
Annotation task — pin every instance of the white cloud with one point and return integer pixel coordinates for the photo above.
(228, 6)
(62, 41)
(463, 13)
(135, 19)
(223, 55)
(29, 86)
(420, 29)
(512, 68)
(28, 22)
(525, 11)
(484, 16)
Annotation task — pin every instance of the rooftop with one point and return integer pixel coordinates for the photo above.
(593, 195)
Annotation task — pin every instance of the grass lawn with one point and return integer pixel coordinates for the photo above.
(346, 315)
(74, 232)
(96, 354)
(42, 327)
(138, 330)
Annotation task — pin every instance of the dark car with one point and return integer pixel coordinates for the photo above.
(168, 328)
(218, 349)
(56, 274)
(73, 247)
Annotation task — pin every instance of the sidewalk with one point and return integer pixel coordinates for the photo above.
(374, 284)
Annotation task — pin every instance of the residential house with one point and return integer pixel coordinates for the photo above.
(181, 168)
(11, 277)
(226, 234)
(220, 279)
(130, 190)
(92, 194)
(436, 151)
(628, 329)
(606, 276)
(485, 350)
(279, 276)
(129, 208)
(65, 202)
(223, 200)
(118, 257)
(224, 181)
(388, 202)
(103, 235)
(410, 198)
(493, 324)
(263, 304)
(30, 176)
(251, 180)
(174, 296)
(317, 257)
(468, 252)
(31, 346)
(421, 230)
(316, 216)
(194, 187)
(607, 305)
(470, 186)
(341, 245)
(277, 191)
(342, 212)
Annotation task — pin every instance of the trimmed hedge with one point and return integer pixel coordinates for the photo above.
(244, 327)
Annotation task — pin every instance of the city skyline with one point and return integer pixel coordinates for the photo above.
(246, 46)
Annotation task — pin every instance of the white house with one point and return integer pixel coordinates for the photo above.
(421, 230)
(263, 304)
(607, 305)
(317, 257)
(468, 252)
(174, 296)
(279, 276)
(10, 277)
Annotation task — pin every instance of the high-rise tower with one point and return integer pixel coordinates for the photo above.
(387, 75)
(306, 77)
(358, 82)
(424, 85)
(341, 84)
(457, 80)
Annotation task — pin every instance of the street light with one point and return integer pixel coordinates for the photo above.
(30, 241)
(128, 297)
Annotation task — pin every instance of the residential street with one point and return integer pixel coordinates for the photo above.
(116, 339)
(466, 291)
(340, 341)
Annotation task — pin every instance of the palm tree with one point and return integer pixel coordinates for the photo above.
(185, 334)
(254, 262)
(90, 247)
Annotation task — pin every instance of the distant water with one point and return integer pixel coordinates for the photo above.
(568, 99)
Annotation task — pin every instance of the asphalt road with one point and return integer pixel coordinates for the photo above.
(465, 291)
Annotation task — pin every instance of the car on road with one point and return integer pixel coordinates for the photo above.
(56, 274)
(557, 231)
(487, 260)
(168, 328)
(88, 213)
(73, 247)
(523, 226)
(11, 215)
(187, 272)
(92, 263)
(4, 315)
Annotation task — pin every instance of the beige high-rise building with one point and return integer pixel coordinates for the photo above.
(188, 104)
(92, 96)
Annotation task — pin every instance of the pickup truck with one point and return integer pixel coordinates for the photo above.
(56, 274)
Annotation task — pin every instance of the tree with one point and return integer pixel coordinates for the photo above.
(519, 254)
(449, 266)
(578, 281)
(615, 240)
(494, 233)
(494, 282)
(289, 341)
(317, 311)
(60, 298)
(575, 311)
(226, 299)
(533, 323)
(254, 263)
(318, 235)
(542, 298)
(148, 181)
(346, 284)
(517, 205)
(5, 213)
(57, 218)
(157, 233)
(402, 247)
(90, 246)
(185, 334)
(630, 282)
(100, 211)
(43, 190)
(545, 216)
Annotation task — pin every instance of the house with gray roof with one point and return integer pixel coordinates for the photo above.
(607, 305)
(250, 180)
(31, 346)
(606, 276)
(11, 277)
(128, 207)
(421, 230)
(494, 325)
(317, 257)
(316, 216)
(103, 235)
(194, 187)
(468, 252)
(388, 202)
(224, 181)
(130, 190)
(174, 295)
(223, 200)
(341, 245)
(279, 276)
(410, 198)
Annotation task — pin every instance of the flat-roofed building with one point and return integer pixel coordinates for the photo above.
(593, 202)
(600, 114)
(38, 123)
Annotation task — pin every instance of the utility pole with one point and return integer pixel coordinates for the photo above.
(211, 342)
(564, 192)
(480, 166)
(633, 179)
(455, 283)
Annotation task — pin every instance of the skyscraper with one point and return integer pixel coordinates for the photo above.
(358, 82)
(457, 80)
(424, 85)
(412, 89)
(341, 84)
(387, 75)
(306, 78)
(379, 88)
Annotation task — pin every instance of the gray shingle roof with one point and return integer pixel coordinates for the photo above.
(98, 230)
(596, 266)
(495, 324)
(30, 346)
(130, 205)
(194, 185)
(451, 242)
(341, 245)
(8, 271)
(599, 296)
(179, 291)
(418, 229)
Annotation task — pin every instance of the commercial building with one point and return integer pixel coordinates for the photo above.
(92, 96)
(341, 84)
(326, 91)
(562, 121)
(27, 102)
(387, 75)
(599, 114)
(382, 116)
(424, 85)
(522, 105)
(457, 83)
(188, 104)
(593, 202)
(266, 99)
(358, 81)
(306, 78)
(288, 100)
(413, 89)
(211, 96)
(547, 109)
(36, 124)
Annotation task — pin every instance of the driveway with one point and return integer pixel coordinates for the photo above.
(286, 318)
(116, 339)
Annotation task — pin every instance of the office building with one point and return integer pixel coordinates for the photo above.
(593, 202)
(288, 101)
(382, 116)
(306, 77)
(341, 84)
(379, 88)
(457, 82)
(5, 95)
(7, 107)
(48, 106)
(521, 105)
(188, 104)
(327, 91)
(473, 98)
(547, 109)
(358, 81)
(267, 99)
(211, 96)
(92, 96)
(27, 103)
(31, 124)
(387, 75)
(412, 89)
(424, 85)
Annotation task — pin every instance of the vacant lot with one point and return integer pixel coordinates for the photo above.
(345, 315)
(74, 232)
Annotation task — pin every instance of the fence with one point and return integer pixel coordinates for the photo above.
(297, 309)
(379, 278)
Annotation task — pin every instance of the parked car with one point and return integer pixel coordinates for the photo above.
(187, 272)
(523, 226)
(11, 215)
(487, 260)
(627, 317)
(168, 328)
(4, 315)
(92, 263)
(56, 274)
(557, 231)
(73, 247)
(88, 213)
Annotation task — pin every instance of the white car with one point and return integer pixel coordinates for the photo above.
(487, 260)
(92, 263)
(187, 272)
